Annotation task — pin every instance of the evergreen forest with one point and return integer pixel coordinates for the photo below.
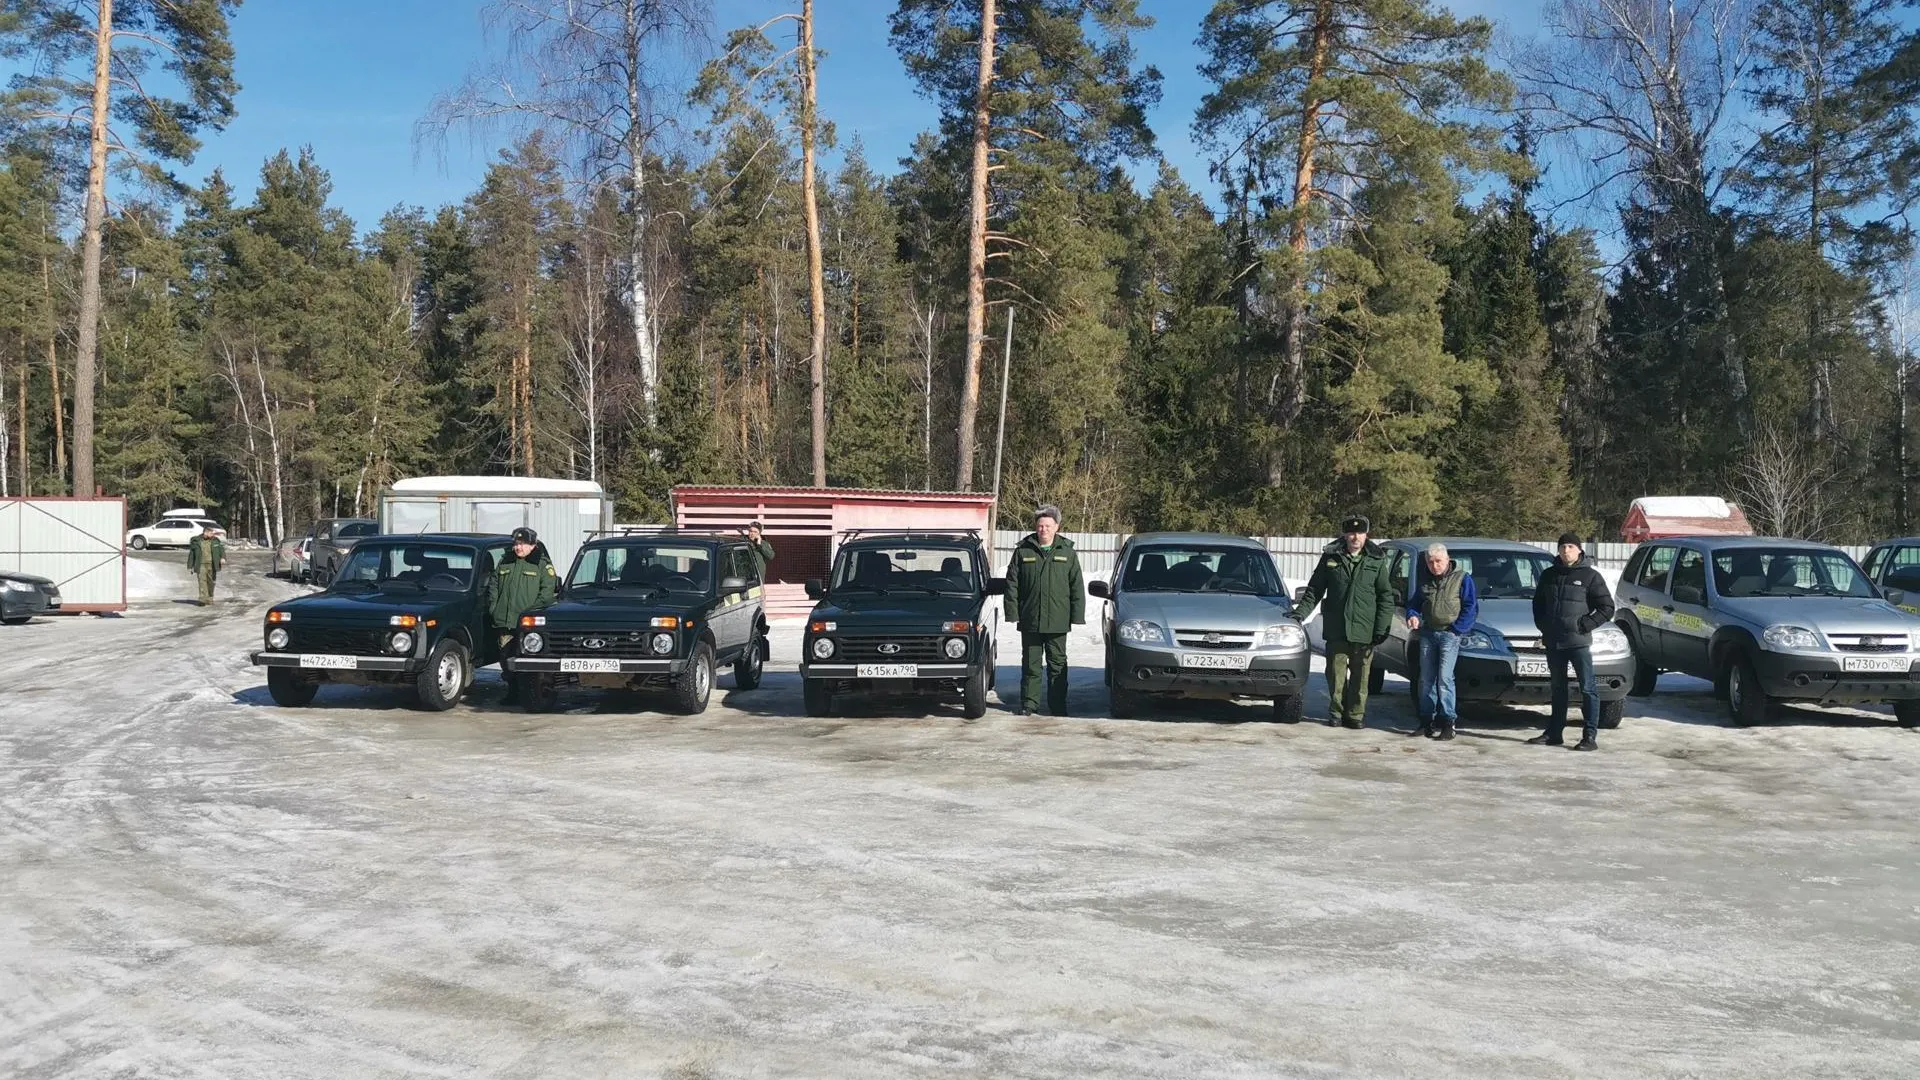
(1462, 282)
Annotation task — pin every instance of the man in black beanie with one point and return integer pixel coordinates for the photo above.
(1572, 600)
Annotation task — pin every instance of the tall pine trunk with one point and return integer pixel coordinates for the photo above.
(816, 271)
(59, 402)
(87, 341)
(645, 345)
(977, 249)
(1287, 396)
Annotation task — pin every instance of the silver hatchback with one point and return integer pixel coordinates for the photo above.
(1201, 615)
(1768, 621)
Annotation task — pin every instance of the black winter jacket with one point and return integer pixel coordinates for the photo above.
(1570, 603)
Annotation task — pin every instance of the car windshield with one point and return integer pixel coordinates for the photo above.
(428, 567)
(644, 567)
(1193, 568)
(930, 568)
(1756, 571)
(1499, 575)
(364, 528)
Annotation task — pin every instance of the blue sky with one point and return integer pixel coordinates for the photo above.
(351, 78)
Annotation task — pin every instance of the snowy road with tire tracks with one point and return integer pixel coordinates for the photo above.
(195, 883)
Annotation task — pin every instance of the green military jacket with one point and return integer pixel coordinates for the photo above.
(520, 585)
(1360, 598)
(762, 555)
(202, 550)
(1044, 592)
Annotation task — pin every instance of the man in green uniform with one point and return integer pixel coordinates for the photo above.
(1352, 578)
(1046, 598)
(524, 580)
(205, 553)
(761, 550)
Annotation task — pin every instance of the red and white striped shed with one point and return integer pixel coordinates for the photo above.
(802, 524)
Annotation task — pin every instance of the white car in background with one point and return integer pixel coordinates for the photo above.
(174, 529)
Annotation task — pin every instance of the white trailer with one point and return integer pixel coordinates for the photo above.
(564, 512)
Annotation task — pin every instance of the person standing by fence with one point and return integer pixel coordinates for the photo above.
(1046, 597)
(1441, 611)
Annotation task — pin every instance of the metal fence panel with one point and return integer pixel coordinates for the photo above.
(76, 542)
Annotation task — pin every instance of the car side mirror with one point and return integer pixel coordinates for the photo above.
(733, 584)
(996, 586)
(816, 589)
(1300, 595)
(1689, 594)
(1100, 589)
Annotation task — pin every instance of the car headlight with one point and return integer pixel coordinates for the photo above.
(1610, 642)
(1143, 630)
(1480, 641)
(401, 642)
(21, 586)
(276, 638)
(532, 642)
(1283, 636)
(663, 643)
(956, 648)
(1782, 636)
(822, 648)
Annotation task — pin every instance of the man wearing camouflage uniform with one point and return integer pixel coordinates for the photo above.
(1352, 578)
(205, 554)
(1046, 597)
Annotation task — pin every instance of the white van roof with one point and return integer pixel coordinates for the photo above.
(495, 485)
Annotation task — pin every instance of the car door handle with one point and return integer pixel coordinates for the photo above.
(1668, 609)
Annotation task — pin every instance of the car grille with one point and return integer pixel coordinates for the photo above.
(1528, 645)
(618, 645)
(910, 649)
(1869, 643)
(1214, 639)
(339, 640)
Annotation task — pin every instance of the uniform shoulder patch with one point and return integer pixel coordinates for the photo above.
(1332, 562)
(551, 572)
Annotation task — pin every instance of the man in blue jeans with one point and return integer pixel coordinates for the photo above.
(1569, 603)
(1442, 610)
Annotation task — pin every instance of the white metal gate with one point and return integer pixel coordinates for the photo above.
(76, 542)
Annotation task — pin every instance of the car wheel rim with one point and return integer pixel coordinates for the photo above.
(449, 675)
(702, 679)
(1736, 689)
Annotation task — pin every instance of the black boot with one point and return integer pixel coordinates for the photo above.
(1446, 732)
(1425, 728)
(1586, 744)
(1544, 739)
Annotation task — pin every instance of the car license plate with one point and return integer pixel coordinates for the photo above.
(1214, 661)
(1897, 664)
(331, 663)
(1530, 669)
(887, 671)
(590, 665)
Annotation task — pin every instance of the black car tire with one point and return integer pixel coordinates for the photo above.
(973, 697)
(819, 701)
(1612, 712)
(1908, 713)
(17, 620)
(694, 686)
(751, 665)
(440, 684)
(138, 543)
(1376, 675)
(1747, 703)
(1290, 709)
(1122, 704)
(539, 693)
(289, 689)
(1413, 671)
(1645, 675)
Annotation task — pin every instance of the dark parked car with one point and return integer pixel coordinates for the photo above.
(1501, 658)
(403, 610)
(904, 613)
(22, 596)
(1201, 615)
(646, 611)
(1770, 620)
(332, 539)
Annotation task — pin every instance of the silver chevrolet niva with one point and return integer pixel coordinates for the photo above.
(1768, 621)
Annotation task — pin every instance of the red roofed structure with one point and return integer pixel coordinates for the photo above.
(802, 523)
(1657, 517)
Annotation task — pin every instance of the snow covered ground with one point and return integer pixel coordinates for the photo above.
(195, 883)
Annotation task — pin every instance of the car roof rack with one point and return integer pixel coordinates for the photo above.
(912, 534)
(659, 530)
